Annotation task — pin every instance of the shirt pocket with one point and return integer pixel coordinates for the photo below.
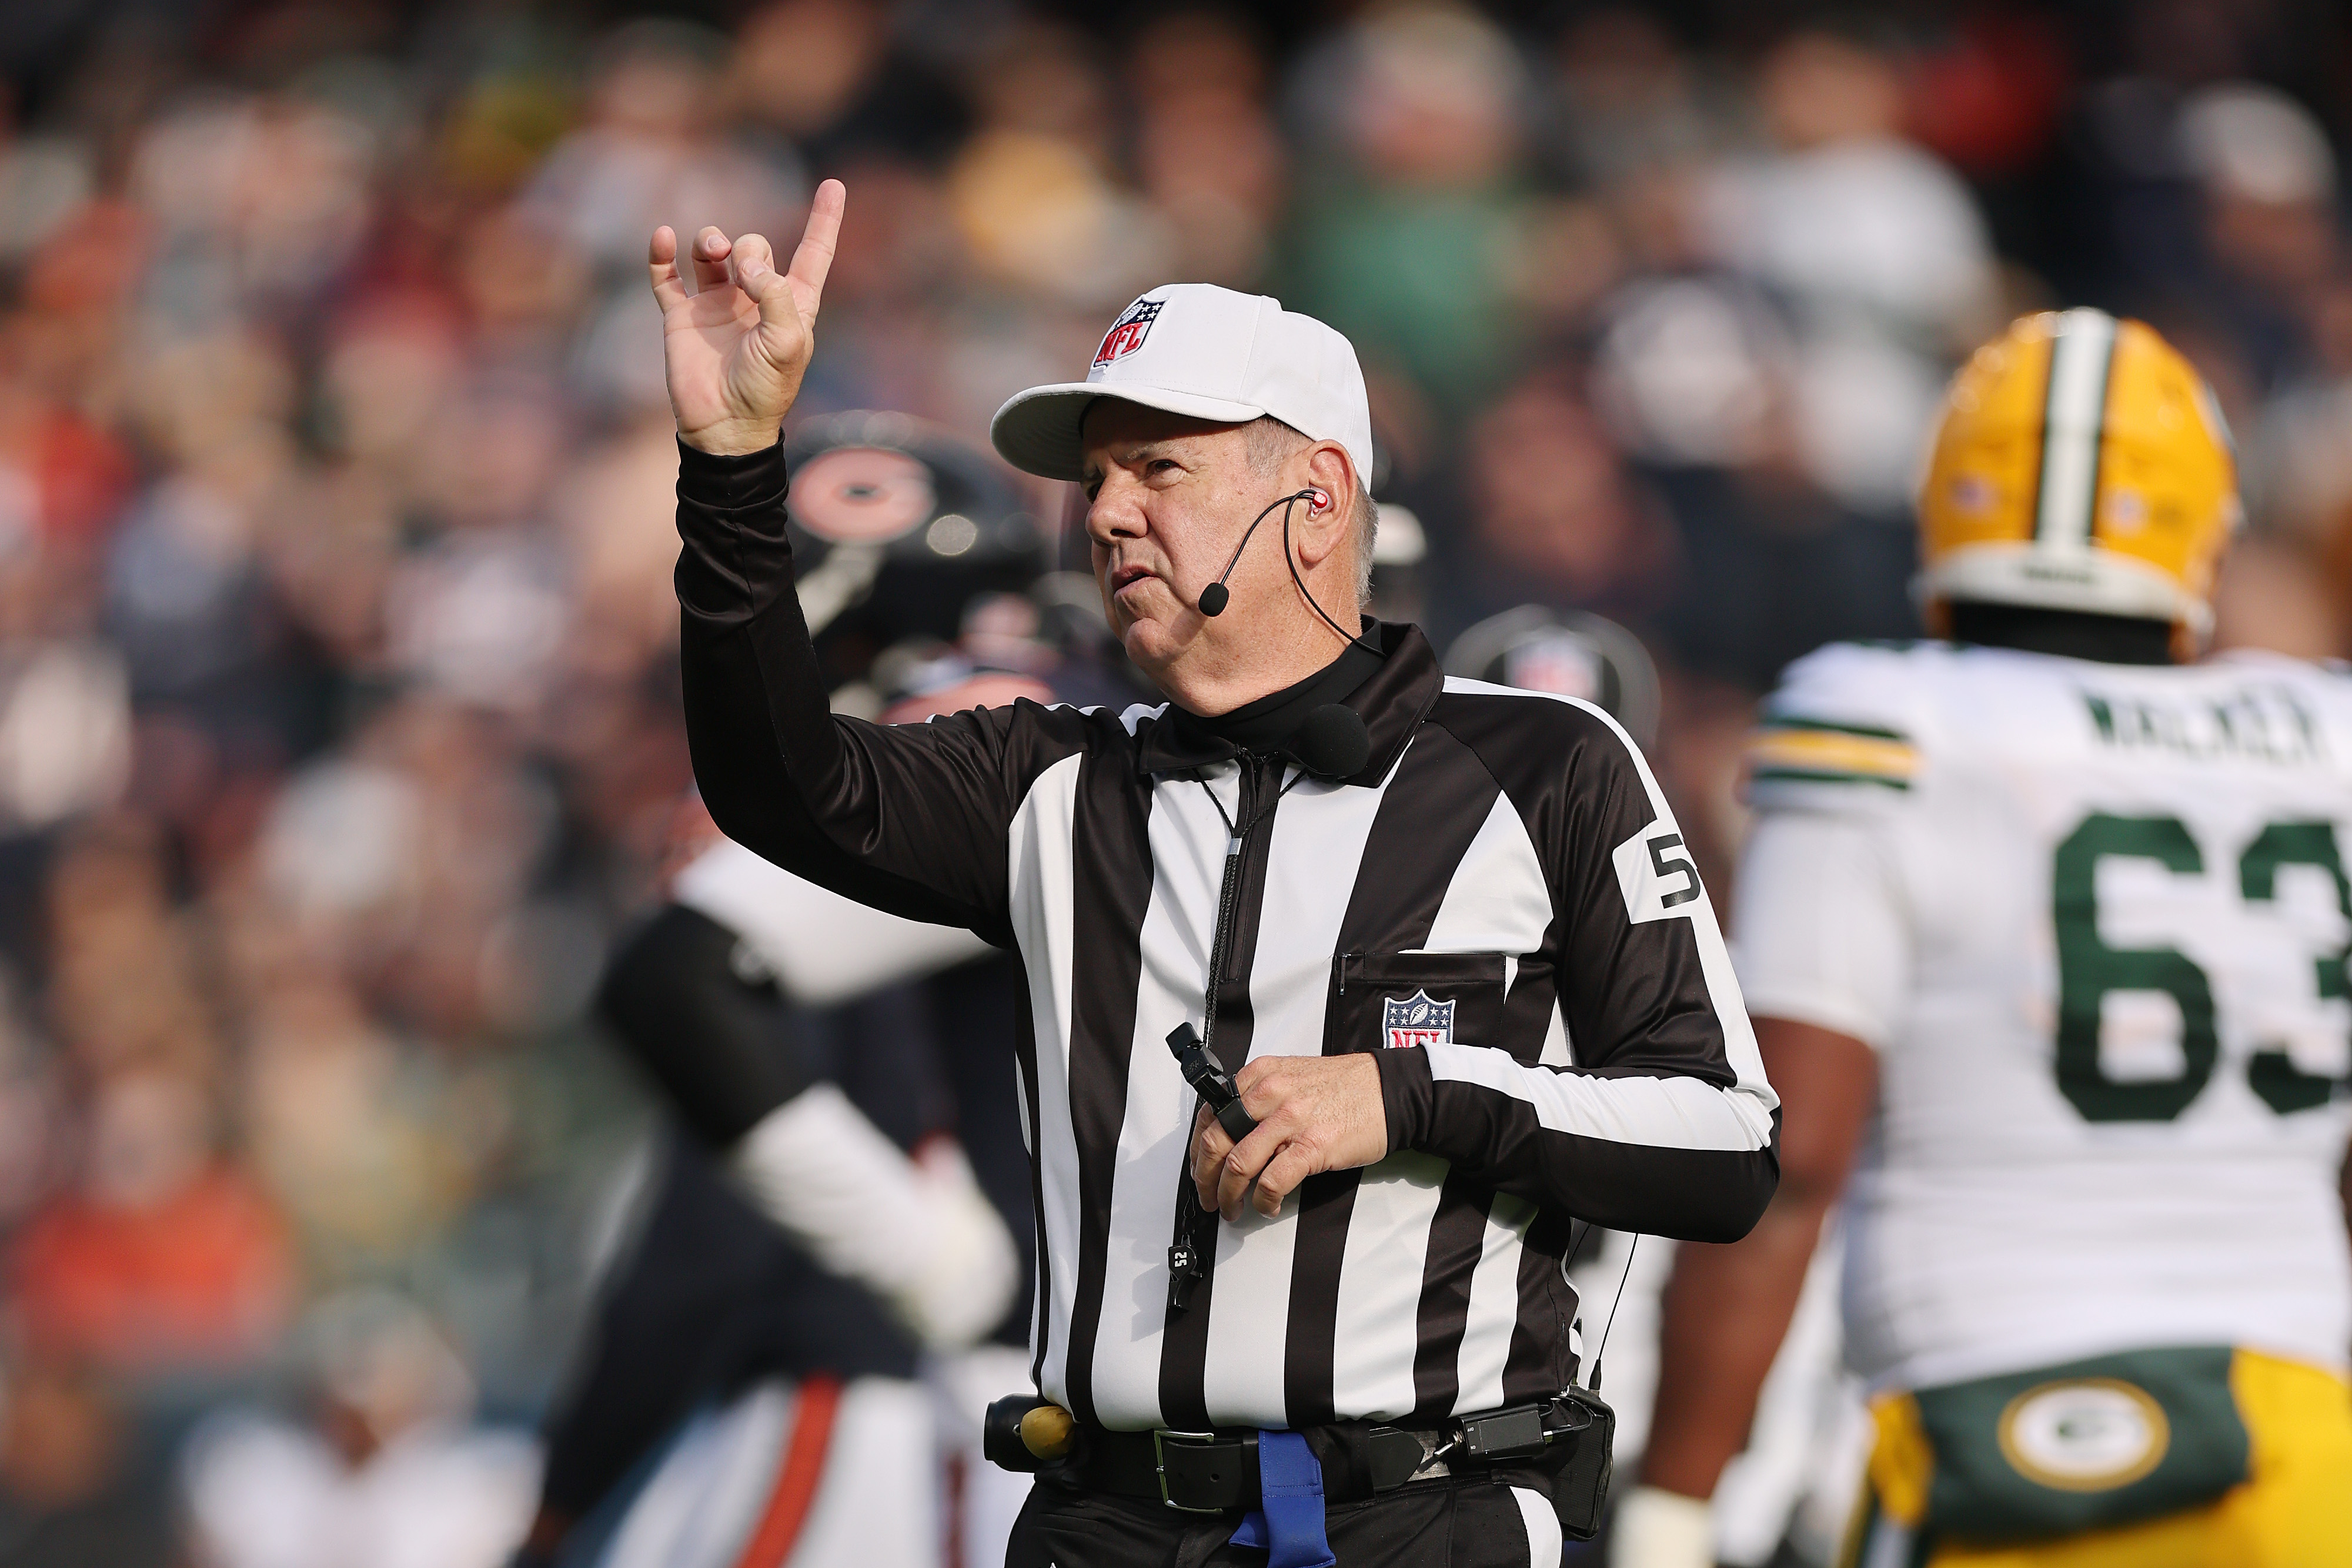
(1398, 999)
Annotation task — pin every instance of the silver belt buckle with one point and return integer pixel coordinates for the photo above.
(1160, 1437)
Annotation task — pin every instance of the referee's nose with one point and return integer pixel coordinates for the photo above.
(1118, 510)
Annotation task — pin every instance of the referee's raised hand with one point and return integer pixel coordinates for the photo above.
(735, 350)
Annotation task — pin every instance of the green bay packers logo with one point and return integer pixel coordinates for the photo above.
(2093, 1434)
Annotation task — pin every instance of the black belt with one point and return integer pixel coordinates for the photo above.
(1216, 1472)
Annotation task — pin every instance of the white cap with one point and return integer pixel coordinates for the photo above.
(1211, 353)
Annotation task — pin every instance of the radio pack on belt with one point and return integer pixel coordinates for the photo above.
(1579, 1431)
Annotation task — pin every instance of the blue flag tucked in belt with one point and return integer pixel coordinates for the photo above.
(1288, 1519)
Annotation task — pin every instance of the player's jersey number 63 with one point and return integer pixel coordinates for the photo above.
(2088, 969)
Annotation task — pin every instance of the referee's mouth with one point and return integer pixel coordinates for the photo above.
(1126, 574)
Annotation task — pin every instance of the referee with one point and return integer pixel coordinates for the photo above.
(1445, 937)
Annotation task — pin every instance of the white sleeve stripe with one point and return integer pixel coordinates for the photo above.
(1673, 1112)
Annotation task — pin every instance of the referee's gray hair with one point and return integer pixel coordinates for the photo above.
(1270, 441)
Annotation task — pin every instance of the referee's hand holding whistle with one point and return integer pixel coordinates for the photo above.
(1313, 1113)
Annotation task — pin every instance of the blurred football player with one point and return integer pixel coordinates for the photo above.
(758, 1358)
(2044, 929)
(818, 1245)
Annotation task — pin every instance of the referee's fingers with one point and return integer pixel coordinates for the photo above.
(814, 257)
(711, 247)
(1249, 1157)
(1293, 1164)
(1210, 1147)
(661, 266)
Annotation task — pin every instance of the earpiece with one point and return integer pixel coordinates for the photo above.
(1319, 501)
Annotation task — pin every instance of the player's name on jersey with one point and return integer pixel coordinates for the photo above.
(2255, 723)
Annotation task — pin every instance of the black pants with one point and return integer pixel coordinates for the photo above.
(1430, 1524)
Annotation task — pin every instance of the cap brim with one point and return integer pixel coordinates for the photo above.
(1038, 431)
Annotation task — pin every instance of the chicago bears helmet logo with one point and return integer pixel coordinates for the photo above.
(1416, 1020)
(1126, 333)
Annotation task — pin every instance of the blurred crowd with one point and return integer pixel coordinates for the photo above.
(339, 719)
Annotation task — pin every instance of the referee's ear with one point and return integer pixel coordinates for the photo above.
(1322, 528)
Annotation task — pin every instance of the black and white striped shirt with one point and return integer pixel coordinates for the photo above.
(1505, 856)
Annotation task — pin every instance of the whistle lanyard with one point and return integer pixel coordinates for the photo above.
(1195, 1229)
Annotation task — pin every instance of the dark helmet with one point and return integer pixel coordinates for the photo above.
(897, 525)
(1569, 652)
(1051, 644)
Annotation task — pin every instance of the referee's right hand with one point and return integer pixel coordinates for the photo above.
(1314, 1114)
(736, 348)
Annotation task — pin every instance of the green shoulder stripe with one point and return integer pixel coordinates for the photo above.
(1799, 721)
(1824, 776)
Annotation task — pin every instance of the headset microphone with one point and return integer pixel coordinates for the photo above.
(1217, 596)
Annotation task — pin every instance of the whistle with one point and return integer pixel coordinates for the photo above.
(1211, 1081)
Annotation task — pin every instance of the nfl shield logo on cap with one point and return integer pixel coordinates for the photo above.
(1416, 1020)
(1126, 334)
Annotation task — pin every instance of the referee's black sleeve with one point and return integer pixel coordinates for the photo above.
(910, 818)
(1664, 1123)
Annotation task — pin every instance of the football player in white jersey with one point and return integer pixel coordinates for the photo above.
(2044, 930)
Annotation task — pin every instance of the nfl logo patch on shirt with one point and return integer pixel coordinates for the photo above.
(1416, 1020)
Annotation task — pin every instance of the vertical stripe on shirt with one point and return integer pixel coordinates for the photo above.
(1024, 1073)
(1184, 1351)
(1109, 875)
(1187, 845)
(1376, 1322)
(1457, 1241)
(1431, 807)
(1494, 1315)
(1038, 861)
(1543, 1354)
